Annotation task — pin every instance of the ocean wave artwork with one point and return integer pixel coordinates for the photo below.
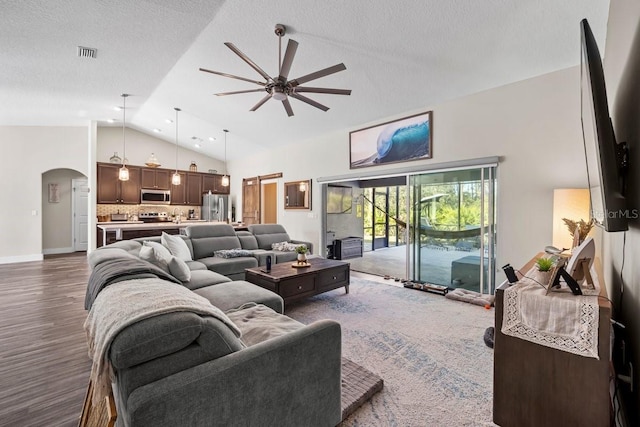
(403, 140)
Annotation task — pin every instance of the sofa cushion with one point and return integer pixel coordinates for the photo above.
(107, 254)
(179, 269)
(247, 240)
(259, 323)
(229, 266)
(177, 246)
(196, 265)
(285, 256)
(232, 253)
(201, 278)
(230, 295)
(268, 234)
(206, 239)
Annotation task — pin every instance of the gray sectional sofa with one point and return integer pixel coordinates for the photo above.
(183, 367)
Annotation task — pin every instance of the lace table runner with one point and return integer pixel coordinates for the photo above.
(558, 320)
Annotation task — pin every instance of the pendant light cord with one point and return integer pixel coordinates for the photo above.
(225, 150)
(124, 141)
(177, 109)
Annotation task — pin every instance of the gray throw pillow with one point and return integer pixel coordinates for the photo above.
(156, 256)
(179, 269)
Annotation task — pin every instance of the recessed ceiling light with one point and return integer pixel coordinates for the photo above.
(117, 108)
(211, 138)
(197, 145)
(111, 120)
(156, 130)
(169, 121)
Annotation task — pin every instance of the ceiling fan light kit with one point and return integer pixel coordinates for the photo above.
(280, 88)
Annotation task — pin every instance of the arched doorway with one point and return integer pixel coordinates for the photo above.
(64, 203)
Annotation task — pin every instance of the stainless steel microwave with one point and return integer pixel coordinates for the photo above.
(155, 197)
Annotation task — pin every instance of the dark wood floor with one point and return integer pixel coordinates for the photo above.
(44, 366)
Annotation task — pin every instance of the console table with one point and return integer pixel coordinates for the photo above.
(535, 385)
(296, 283)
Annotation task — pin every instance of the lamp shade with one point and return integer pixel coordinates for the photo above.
(570, 203)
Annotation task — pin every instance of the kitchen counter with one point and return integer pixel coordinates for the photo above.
(125, 230)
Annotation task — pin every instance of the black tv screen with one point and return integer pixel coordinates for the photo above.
(339, 199)
(605, 157)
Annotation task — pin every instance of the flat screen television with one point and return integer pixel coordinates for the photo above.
(339, 199)
(606, 159)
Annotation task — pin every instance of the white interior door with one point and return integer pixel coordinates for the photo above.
(80, 214)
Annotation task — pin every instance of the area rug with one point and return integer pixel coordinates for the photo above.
(429, 350)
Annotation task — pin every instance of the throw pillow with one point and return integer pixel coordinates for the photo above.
(177, 246)
(156, 254)
(286, 246)
(232, 253)
(179, 269)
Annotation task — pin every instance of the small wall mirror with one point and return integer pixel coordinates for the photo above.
(297, 195)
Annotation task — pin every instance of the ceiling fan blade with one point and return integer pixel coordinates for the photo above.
(246, 59)
(289, 54)
(309, 101)
(232, 76)
(238, 91)
(325, 72)
(259, 104)
(323, 90)
(287, 107)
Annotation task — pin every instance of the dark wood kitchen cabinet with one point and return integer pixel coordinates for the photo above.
(194, 189)
(213, 183)
(179, 192)
(159, 179)
(112, 191)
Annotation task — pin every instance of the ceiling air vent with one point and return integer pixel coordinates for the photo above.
(87, 52)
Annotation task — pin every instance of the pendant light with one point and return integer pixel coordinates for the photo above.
(225, 178)
(123, 173)
(175, 179)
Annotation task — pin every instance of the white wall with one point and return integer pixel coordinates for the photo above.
(28, 152)
(533, 125)
(140, 146)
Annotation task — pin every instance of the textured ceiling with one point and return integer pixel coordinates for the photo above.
(400, 56)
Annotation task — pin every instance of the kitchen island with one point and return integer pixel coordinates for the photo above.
(109, 232)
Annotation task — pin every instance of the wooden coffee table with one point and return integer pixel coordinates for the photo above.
(296, 283)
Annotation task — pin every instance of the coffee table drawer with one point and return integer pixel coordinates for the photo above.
(333, 277)
(298, 285)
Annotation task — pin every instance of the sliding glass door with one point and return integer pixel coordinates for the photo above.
(452, 228)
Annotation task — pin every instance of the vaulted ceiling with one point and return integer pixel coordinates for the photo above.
(400, 56)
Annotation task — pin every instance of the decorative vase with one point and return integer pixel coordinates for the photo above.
(302, 258)
(115, 158)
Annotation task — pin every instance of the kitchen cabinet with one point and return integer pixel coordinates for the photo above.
(194, 189)
(159, 179)
(213, 183)
(179, 192)
(112, 191)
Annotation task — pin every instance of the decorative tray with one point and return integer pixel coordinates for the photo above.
(153, 165)
(297, 265)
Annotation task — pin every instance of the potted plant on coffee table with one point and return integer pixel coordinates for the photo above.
(302, 254)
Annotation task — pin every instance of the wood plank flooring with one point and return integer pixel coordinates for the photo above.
(44, 366)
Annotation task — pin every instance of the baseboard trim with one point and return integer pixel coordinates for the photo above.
(55, 251)
(21, 258)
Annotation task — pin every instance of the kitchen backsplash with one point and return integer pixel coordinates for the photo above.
(136, 209)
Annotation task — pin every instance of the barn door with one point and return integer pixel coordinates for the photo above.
(251, 200)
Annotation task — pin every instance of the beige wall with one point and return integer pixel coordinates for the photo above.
(622, 71)
(28, 152)
(533, 125)
(140, 146)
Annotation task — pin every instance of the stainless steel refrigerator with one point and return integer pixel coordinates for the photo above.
(215, 207)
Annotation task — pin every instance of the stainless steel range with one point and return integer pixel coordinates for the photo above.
(154, 216)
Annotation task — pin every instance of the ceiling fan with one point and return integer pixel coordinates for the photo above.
(279, 87)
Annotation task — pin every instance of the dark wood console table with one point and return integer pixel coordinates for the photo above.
(296, 283)
(535, 385)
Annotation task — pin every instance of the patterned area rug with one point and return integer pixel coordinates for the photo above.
(428, 349)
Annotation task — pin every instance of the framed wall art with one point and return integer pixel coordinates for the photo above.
(401, 140)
